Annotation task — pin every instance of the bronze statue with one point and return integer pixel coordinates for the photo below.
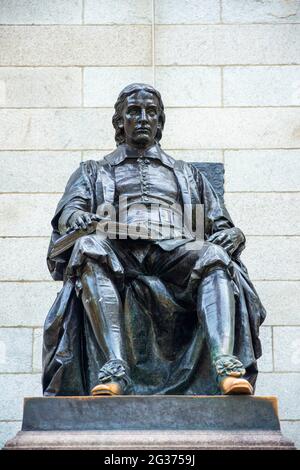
(147, 315)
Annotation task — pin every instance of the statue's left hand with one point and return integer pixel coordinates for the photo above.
(230, 239)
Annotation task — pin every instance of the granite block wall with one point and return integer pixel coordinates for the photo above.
(229, 73)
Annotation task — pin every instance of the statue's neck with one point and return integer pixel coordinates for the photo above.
(140, 149)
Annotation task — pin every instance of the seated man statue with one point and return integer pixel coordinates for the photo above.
(162, 314)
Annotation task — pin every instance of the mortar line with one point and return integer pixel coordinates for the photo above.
(20, 373)
(38, 327)
(82, 82)
(32, 281)
(221, 11)
(248, 236)
(293, 420)
(26, 237)
(272, 345)
(295, 192)
(28, 281)
(153, 43)
(23, 327)
(283, 64)
(10, 420)
(113, 25)
(284, 372)
(101, 149)
(106, 108)
(222, 86)
(196, 66)
(210, 25)
(30, 193)
(32, 349)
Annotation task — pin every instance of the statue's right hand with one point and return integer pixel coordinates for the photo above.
(82, 220)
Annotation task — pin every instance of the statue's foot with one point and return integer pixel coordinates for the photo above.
(113, 379)
(109, 389)
(235, 386)
(229, 376)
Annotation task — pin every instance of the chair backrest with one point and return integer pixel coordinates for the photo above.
(214, 172)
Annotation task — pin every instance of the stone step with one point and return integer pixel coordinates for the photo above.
(150, 422)
(149, 440)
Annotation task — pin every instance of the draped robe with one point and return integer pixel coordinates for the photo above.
(173, 357)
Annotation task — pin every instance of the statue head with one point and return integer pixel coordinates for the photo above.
(139, 116)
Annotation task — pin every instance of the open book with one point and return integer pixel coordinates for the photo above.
(107, 228)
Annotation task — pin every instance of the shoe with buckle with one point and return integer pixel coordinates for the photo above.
(113, 380)
(235, 386)
(229, 376)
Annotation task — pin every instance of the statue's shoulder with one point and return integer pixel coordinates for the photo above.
(173, 162)
(92, 166)
(111, 158)
(165, 156)
(182, 165)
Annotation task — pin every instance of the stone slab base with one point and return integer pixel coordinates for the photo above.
(150, 422)
(149, 440)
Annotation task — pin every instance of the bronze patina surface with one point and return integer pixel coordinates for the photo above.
(148, 316)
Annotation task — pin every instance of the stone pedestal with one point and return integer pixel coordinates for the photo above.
(150, 422)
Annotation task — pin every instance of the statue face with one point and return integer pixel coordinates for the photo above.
(141, 119)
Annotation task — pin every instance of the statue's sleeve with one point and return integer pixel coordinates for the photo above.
(77, 203)
(216, 216)
(79, 194)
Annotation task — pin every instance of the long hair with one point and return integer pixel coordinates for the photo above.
(127, 91)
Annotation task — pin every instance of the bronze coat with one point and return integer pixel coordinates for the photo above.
(71, 357)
